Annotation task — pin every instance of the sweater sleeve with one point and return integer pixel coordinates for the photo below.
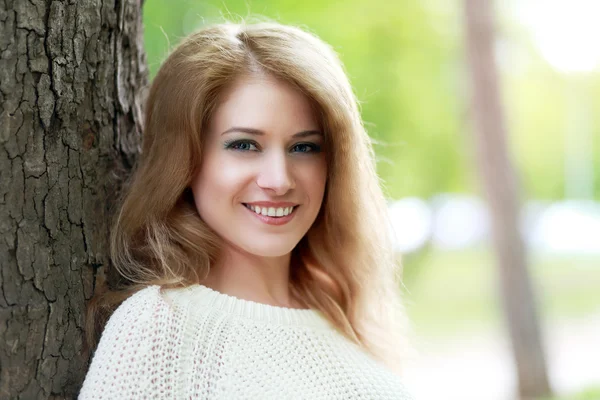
(126, 364)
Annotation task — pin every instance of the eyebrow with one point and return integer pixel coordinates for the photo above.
(258, 132)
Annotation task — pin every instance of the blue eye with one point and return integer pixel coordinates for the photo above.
(241, 145)
(306, 148)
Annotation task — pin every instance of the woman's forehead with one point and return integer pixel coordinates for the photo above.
(264, 103)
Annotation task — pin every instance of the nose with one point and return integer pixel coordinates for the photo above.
(276, 174)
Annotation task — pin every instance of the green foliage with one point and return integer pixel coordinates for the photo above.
(592, 393)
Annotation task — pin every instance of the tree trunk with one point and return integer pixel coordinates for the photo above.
(72, 74)
(499, 182)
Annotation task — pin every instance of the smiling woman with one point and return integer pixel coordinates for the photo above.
(262, 151)
(251, 245)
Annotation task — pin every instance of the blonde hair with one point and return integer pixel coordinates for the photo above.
(344, 266)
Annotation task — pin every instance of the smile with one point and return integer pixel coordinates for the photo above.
(272, 215)
(271, 211)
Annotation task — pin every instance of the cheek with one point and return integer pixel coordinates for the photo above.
(218, 184)
(314, 179)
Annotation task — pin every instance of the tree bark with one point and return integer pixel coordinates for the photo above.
(72, 79)
(500, 185)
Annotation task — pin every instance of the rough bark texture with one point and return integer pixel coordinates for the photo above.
(71, 74)
(500, 184)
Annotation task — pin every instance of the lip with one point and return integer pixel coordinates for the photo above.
(273, 220)
(273, 204)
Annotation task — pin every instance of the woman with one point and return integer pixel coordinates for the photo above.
(253, 233)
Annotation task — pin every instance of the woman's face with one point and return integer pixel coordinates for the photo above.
(261, 182)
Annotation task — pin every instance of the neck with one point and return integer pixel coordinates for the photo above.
(249, 277)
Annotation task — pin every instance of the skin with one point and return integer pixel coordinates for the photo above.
(285, 162)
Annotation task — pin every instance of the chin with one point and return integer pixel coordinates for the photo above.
(269, 248)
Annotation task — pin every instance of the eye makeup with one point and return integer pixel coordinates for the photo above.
(312, 147)
(241, 145)
(245, 145)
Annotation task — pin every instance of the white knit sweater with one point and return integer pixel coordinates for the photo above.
(197, 343)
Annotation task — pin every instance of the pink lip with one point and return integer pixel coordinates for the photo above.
(273, 204)
(273, 220)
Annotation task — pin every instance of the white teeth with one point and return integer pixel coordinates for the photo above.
(271, 211)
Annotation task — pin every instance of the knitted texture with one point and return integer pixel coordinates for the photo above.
(197, 343)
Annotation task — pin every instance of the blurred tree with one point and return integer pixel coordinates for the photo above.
(500, 185)
(69, 120)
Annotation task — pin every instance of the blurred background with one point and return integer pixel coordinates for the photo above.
(407, 61)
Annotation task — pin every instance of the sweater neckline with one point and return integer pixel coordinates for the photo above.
(255, 311)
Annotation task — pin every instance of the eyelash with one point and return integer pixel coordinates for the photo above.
(234, 145)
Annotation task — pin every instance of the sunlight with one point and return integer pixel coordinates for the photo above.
(565, 31)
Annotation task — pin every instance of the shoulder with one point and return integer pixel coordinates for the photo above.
(146, 299)
(135, 334)
(134, 318)
(138, 317)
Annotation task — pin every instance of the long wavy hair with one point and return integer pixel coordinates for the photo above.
(344, 266)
